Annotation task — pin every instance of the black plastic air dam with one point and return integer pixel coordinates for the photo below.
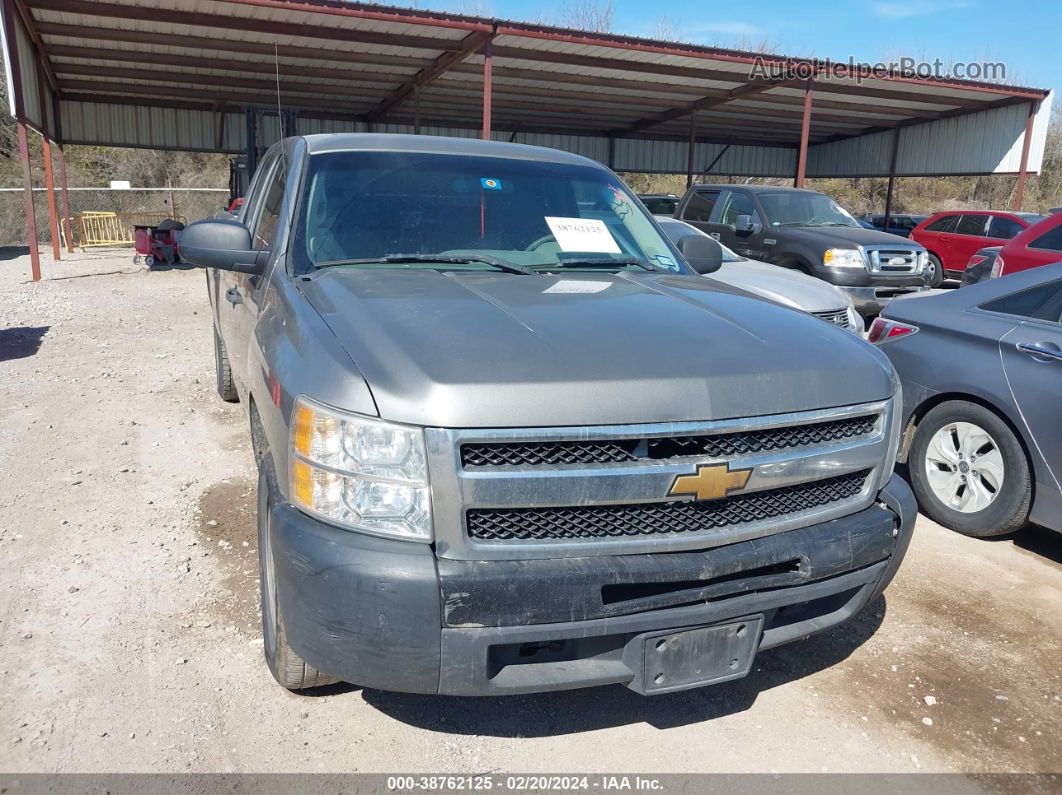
(369, 610)
(508, 593)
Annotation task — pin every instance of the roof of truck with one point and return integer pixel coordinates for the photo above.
(755, 188)
(394, 142)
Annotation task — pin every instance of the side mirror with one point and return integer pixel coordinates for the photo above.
(702, 253)
(744, 225)
(223, 244)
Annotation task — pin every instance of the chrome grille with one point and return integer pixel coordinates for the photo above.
(893, 260)
(839, 317)
(612, 521)
(514, 493)
(620, 450)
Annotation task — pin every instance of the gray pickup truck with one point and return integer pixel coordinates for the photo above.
(809, 231)
(509, 441)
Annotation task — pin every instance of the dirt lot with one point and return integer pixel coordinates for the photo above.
(128, 602)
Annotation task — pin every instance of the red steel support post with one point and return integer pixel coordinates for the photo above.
(1019, 190)
(892, 177)
(487, 55)
(691, 147)
(805, 131)
(27, 198)
(67, 215)
(54, 230)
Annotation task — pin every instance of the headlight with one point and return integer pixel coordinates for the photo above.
(360, 472)
(923, 260)
(843, 258)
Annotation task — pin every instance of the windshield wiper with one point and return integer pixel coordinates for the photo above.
(600, 262)
(445, 259)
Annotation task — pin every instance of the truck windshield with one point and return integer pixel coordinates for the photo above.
(390, 209)
(793, 208)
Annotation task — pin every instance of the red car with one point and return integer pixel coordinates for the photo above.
(1038, 245)
(953, 237)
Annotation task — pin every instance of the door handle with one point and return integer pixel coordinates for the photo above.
(232, 295)
(714, 235)
(1040, 349)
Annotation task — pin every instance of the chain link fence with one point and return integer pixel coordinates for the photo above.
(128, 205)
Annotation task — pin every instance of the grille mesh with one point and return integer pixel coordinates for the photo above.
(617, 451)
(617, 521)
(839, 317)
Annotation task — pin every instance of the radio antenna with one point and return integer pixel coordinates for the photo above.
(280, 113)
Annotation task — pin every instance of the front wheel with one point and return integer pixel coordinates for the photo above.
(969, 470)
(287, 667)
(936, 271)
(226, 386)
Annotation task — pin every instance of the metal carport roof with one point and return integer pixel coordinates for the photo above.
(184, 74)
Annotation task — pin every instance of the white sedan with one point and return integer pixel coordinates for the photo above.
(781, 285)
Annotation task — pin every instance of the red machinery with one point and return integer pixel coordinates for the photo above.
(157, 244)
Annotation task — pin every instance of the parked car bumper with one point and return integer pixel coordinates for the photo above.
(871, 300)
(390, 615)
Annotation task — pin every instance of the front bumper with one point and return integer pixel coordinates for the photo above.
(871, 300)
(389, 615)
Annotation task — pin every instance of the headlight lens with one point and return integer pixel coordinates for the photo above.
(359, 472)
(843, 258)
(923, 260)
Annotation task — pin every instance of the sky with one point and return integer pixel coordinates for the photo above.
(1020, 34)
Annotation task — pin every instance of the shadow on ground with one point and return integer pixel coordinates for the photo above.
(21, 342)
(11, 252)
(574, 711)
(1039, 541)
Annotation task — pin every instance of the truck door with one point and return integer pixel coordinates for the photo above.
(233, 287)
(697, 211)
(249, 288)
(738, 205)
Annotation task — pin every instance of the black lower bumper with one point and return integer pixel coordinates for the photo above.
(389, 615)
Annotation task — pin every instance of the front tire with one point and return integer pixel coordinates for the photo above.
(969, 470)
(936, 271)
(287, 667)
(226, 386)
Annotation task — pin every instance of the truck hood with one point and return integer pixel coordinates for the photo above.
(782, 285)
(484, 349)
(843, 236)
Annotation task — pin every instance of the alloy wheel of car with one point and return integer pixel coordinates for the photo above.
(964, 467)
(969, 470)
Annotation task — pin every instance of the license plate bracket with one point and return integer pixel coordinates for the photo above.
(698, 656)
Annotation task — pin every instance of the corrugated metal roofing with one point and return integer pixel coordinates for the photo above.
(121, 64)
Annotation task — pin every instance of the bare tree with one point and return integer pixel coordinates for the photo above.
(596, 16)
(667, 29)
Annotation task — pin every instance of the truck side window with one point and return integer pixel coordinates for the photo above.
(273, 199)
(700, 205)
(738, 204)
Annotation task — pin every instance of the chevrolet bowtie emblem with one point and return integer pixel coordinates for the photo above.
(710, 483)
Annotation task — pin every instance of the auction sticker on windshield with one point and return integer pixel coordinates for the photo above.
(582, 234)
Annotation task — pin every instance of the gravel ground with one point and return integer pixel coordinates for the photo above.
(128, 606)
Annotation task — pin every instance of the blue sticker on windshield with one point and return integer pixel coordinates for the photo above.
(489, 183)
(667, 262)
